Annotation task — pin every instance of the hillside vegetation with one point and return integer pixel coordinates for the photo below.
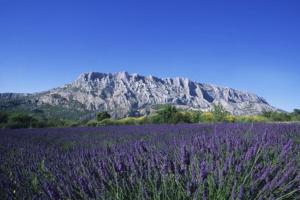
(167, 114)
(171, 115)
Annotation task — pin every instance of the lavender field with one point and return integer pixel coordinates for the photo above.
(223, 161)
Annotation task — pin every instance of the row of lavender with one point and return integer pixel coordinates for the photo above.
(223, 161)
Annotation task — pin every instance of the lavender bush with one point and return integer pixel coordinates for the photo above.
(223, 161)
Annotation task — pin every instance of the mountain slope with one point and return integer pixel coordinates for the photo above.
(123, 94)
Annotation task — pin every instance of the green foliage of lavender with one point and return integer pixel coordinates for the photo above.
(223, 161)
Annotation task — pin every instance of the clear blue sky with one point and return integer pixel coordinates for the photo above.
(248, 45)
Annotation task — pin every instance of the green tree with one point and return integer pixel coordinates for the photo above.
(267, 114)
(277, 116)
(296, 112)
(171, 115)
(206, 117)
(21, 120)
(167, 114)
(295, 115)
(102, 115)
(195, 116)
(219, 113)
(3, 117)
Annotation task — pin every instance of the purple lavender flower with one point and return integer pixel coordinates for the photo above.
(286, 147)
(241, 192)
(203, 173)
(151, 159)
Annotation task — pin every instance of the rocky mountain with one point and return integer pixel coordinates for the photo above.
(124, 94)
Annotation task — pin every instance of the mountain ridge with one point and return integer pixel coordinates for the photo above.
(123, 94)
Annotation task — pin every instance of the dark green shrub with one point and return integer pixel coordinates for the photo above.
(171, 115)
(296, 112)
(296, 118)
(166, 115)
(92, 123)
(21, 120)
(277, 116)
(296, 115)
(59, 123)
(180, 117)
(207, 117)
(16, 125)
(267, 114)
(219, 113)
(39, 124)
(195, 116)
(155, 119)
(3, 117)
(102, 115)
(108, 122)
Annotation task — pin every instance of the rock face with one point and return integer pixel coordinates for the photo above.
(123, 94)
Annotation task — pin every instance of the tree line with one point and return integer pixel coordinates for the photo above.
(171, 115)
(168, 114)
